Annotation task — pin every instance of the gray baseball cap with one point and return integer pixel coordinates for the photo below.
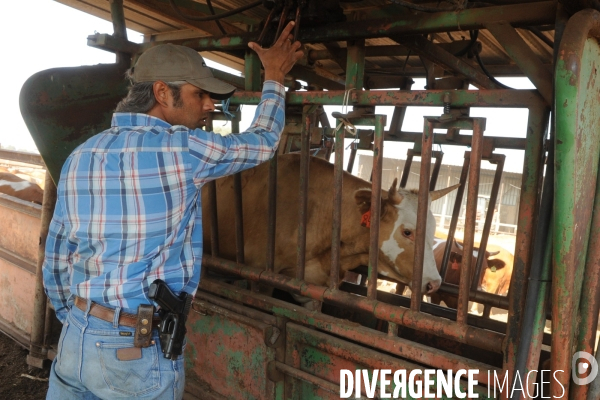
(170, 63)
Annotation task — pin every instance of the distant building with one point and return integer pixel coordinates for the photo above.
(507, 206)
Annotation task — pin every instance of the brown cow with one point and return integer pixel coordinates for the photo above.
(497, 269)
(397, 226)
(17, 187)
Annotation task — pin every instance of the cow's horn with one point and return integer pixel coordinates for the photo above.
(436, 194)
(393, 195)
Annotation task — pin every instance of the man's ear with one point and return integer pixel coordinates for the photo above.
(161, 93)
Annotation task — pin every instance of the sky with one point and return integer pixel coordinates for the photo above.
(55, 35)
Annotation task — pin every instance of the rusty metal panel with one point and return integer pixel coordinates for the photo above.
(63, 107)
(323, 356)
(228, 353)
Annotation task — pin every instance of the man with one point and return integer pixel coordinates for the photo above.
(128, 213)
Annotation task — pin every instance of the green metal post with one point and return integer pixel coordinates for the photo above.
(252, 71)
(355, 65)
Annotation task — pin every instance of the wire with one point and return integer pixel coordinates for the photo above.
(212, 12)
(469, 46)
(214, 17)
(482, 66)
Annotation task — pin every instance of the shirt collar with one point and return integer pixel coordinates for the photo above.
(137, 119)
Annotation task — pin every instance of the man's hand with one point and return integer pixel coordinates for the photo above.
(279, 59)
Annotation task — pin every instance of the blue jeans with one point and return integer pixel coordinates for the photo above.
(87, 364)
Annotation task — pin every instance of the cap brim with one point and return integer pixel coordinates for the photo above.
(218, 89)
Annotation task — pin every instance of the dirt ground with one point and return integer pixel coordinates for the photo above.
(16, 382)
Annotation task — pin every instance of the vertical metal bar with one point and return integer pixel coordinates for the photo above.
(406, 172)
(436, 169)
(422, 213)
(252, 71)
(455, 213)
(375, 206)
(119, 28)
(303, 200)
(355, 65)
(214, 223)
(499, 160)
(272, 216)
(37, 353)
(239, 211)
(528, 209)
(471, 213)
(337, 208)
(353, 149)
(590, 298)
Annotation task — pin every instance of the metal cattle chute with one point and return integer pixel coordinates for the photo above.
(361, 55)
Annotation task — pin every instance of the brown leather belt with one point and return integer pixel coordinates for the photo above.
(108, 314)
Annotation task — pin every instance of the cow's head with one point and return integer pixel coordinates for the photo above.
(397, 233)
(497, 268)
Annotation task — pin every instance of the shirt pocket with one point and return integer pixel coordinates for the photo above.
(131, 376)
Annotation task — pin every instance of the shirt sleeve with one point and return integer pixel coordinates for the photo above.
(56, 264)
(219, 155)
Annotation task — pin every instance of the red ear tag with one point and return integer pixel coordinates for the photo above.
(366, 219)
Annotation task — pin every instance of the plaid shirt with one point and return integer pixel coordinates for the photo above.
(128, 209)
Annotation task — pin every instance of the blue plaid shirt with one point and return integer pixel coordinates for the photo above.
(128, 209)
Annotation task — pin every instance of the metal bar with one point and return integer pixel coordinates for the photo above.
(303, 200)
(460, 98)
(422, 214)
(306, 377)
(497, 159)
(577, 153)
(590, 297)
(252, 71)
(375, 205)
(37, 352)
(521, 15)
(385, 51)
(528, 209)
(524, 57)
(455, 213)
(470, 215)
(353, 150)
(406, 170)
(490, 142)
(355, 65)
(493, 300)
(214, 219)
(402, 316)
(336, 233)
(272, 217)
(437, 55)
(438, 155)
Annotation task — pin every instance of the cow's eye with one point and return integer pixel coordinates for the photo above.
(407, 233)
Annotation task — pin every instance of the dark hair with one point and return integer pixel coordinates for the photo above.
(140, 98)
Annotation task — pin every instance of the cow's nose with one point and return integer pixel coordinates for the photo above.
(433, 286)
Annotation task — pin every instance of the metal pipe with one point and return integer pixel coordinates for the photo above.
(303, 200)
(532, 312)
(37, 352)
(406, 170)
(498, 159)
(402, 316)
(306, 377)
(455, 213)
(336, 233)
(422, 215)
(375, 205)
(438, 155)
(470, 215)
(353, 149)
(272, 216)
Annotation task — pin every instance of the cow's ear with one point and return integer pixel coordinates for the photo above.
(393, 196)
(362, 197)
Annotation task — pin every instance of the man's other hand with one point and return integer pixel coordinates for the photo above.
(279, 59)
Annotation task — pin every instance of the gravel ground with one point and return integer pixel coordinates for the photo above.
(18, 381)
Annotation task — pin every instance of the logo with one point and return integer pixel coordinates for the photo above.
(579, 367)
